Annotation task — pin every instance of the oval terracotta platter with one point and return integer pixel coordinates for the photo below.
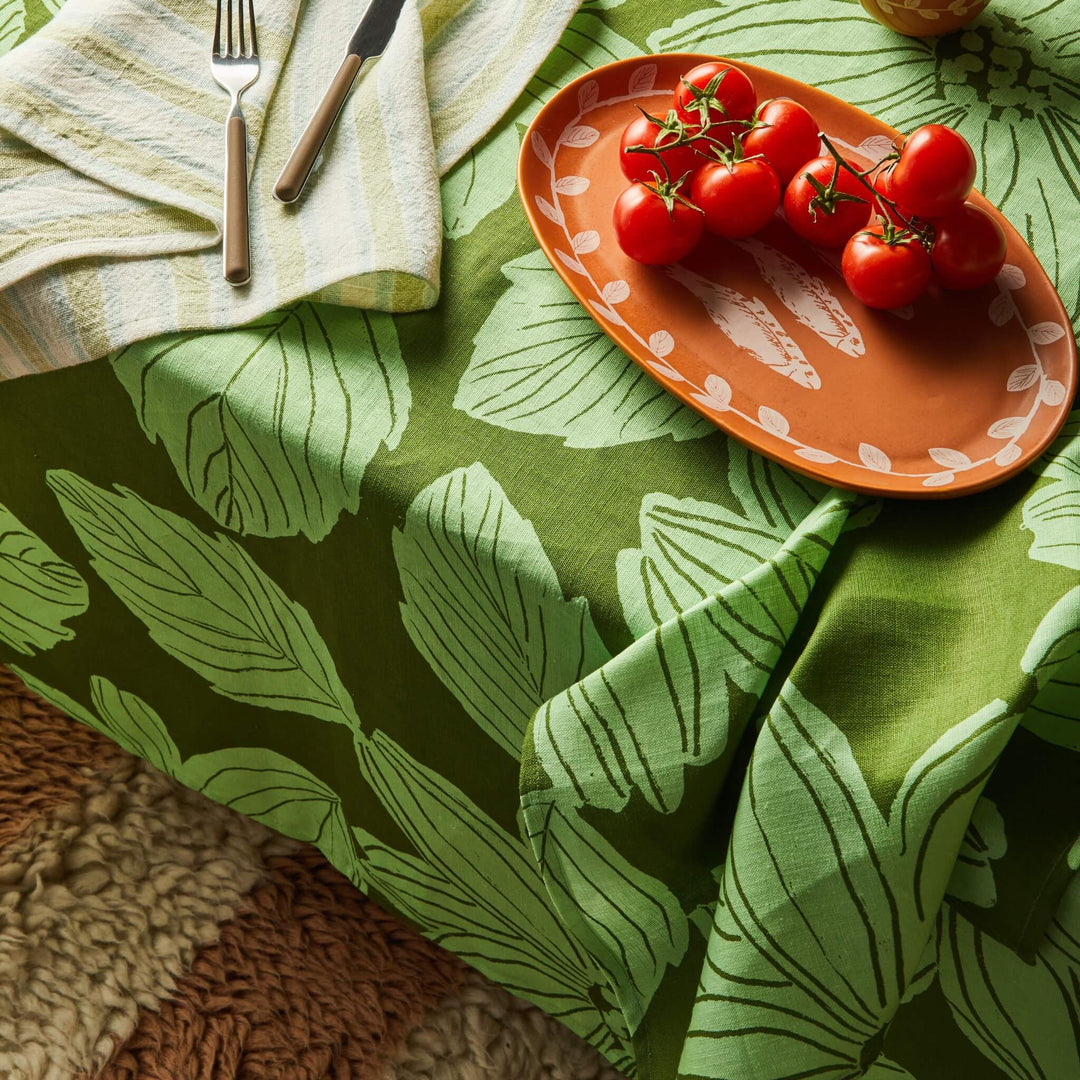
(950, 396)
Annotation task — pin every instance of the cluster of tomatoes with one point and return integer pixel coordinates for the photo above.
(719, 162)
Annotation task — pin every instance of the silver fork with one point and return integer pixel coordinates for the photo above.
(235, 69)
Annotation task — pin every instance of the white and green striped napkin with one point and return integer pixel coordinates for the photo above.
(112, 152)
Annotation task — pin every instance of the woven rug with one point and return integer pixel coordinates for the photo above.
(149, 934)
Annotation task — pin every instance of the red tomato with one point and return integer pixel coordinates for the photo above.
(651, 232)
(786, 134)
(820, 224)
(884, 275)
(737, 199)
(935, 172)
(639, 165)
(720, 93)
(969, 248)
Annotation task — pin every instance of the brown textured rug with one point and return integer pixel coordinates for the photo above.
(149, 934)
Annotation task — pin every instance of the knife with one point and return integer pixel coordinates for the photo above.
(370, 40)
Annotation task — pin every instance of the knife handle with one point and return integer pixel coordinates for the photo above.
(302, 160)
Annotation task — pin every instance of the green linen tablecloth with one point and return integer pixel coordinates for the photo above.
(738, 776)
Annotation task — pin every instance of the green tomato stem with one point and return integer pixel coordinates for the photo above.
(923, 234)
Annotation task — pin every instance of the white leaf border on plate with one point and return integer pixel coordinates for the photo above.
(660, 343)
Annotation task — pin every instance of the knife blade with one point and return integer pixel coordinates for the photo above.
(370, 40)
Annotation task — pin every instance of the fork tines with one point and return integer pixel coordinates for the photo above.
(243, 49)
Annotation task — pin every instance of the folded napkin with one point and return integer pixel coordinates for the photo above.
(112, 154)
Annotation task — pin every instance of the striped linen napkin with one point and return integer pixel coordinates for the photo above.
(112, 154)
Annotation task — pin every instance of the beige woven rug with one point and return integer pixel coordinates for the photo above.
(149, 934)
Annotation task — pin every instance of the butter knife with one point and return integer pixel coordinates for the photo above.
(370, 40)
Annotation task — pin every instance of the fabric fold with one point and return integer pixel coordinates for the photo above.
(112, 137)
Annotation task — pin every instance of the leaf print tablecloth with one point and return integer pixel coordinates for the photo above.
(738, 776)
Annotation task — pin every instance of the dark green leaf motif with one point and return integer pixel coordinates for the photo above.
(38, 590)
(476, 889)
(692, 550)
(122, 716)
(827, 903)
(541, 365)
(1024, 1017)
(480, 182)
(132, 723)
(1053, 658)
(1052, 511)
(714, 596)
(270, 427)
(12, 23)
(973, 876)
(205, 601)
(484, 607)
(631, 923)
(277, 791)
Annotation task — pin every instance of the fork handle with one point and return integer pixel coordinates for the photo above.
(302, 160)
(237, 253)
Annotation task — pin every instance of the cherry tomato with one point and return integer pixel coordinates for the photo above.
(884, 275)
(649, 232)
(720, 93)
(786, 134)
(969, 248)
(821, 224)
(639, 165)
(737, 199)
(935, 172)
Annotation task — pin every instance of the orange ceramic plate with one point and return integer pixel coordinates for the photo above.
(761, 336)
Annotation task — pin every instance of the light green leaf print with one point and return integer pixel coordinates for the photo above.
(1024, 1017)
(1073, 858)
(702, 919)
(630, 922)
(12, 23)
(925, 972)
(676, 695)
(973, 876)
(1053, 657)
(691, 550)
(120, 716)
(541, 365)
(486, 177)
(484, 607)
(38, 590)
(270, 427)
(1004, 83)
(480, 182)
(278, 792)
(129, 721)
(1055, 641)
(1052, 512)
(476, 888)
(206, 602)
(827, 902)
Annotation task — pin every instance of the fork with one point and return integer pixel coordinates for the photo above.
(235, 70)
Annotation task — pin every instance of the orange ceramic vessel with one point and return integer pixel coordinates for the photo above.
(951, 396)
(924, 18)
